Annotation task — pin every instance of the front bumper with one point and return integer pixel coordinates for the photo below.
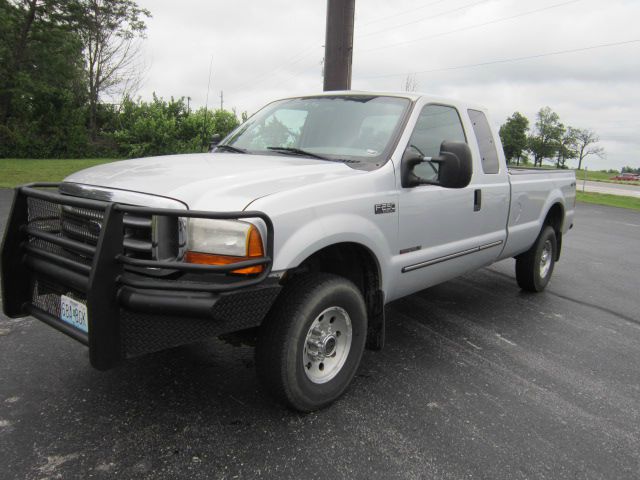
(134, 305)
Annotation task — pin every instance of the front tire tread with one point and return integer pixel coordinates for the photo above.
(278, 336)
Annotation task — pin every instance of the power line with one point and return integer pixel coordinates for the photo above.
(411, 10)
(281, 78)
(297, 58)
(471, 27)
(285, 80)
(507, 60)
(469, 5)
(305, 53)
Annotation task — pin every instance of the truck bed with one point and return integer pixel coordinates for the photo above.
(533, 191)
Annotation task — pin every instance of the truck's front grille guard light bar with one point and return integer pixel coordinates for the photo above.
(112, 234)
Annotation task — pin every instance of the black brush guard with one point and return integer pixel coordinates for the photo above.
(134, 305)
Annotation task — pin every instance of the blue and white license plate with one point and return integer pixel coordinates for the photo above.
(74, 313)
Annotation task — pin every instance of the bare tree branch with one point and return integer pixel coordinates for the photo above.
(109, 29)
(586, 141)
(410, 83)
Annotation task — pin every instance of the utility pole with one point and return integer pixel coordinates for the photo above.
(338, 46)
(221, 99)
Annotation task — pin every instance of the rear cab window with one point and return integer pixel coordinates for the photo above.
(486, 143)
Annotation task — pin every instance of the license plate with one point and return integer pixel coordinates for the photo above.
(74, 313)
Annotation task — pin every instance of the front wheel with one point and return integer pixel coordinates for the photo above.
(311, 343)
(535, 267)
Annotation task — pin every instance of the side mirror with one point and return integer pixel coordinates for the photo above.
(454, 166)
(215, 140)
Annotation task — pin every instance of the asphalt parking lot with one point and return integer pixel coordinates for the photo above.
(478, 380)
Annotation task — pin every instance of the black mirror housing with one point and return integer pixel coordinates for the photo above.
(410, 159)
(454, 166)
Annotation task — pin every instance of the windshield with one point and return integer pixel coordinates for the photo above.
(343, 128)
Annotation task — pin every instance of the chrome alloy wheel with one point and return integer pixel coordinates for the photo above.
(327, 345)
(545, 259)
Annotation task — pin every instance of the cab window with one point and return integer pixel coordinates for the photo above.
(436, 124)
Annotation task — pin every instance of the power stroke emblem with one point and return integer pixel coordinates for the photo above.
(381, 208)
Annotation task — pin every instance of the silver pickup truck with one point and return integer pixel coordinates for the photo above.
(297, 230)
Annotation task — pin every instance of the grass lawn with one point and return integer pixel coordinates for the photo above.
(17, 171)
(632, 203)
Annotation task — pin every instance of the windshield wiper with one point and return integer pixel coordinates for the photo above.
(299, 151)
(230, 148)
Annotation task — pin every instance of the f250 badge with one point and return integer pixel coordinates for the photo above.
(384, 208)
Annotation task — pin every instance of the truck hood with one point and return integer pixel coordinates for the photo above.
(212, 181)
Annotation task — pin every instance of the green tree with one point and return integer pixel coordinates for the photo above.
(546, 139)
(224, 122)
(41, 81)
(513, 134)
(586, 141)
(200, 125)
(109, 30)
(149, 128)
(17, 21)
(566, 147)
(163, 127)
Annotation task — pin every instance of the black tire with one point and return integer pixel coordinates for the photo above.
(532, 273)
(281, 354)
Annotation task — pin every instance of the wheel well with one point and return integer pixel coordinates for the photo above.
(555, 219)
(358, 264)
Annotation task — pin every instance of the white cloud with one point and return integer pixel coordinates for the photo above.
(273, 48)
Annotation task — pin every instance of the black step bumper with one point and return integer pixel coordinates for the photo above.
(134, 306)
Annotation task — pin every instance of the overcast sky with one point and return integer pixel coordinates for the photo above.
(267, 49)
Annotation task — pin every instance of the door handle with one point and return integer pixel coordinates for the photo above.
(477, 200)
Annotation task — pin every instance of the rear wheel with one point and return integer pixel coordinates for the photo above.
(311, 343)
(535, 267)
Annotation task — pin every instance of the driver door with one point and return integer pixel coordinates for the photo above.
(437, 228)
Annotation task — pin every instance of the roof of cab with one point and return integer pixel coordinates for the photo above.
(410, 95)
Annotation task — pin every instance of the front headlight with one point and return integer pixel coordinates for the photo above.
(222, 242)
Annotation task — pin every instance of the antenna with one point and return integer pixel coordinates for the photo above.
(206, 106)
